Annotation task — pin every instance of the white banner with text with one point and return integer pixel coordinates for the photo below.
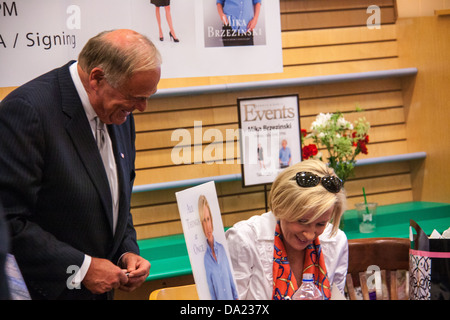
(195, 37)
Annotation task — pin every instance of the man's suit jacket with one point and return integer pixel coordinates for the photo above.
(4, 249)
(54, 187)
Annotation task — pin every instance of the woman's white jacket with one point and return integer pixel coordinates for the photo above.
(250, 243)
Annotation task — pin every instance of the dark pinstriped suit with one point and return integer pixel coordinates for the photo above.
(53, 185)
(4, 249)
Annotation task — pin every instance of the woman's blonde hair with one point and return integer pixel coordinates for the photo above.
(290, 202)
(203, 202)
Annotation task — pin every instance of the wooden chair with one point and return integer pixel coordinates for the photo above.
(388, 255)
(187, 292)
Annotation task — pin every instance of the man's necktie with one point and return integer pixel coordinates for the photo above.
(105, 148)
(99, 133)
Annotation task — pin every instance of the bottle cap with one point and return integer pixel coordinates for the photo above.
(308, 277)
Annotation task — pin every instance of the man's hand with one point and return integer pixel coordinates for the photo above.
(137, 268)
(103, 276)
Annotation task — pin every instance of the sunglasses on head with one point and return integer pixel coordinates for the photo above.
(308, 180)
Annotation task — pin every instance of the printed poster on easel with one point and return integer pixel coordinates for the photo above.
(270, 137)
(206, 243)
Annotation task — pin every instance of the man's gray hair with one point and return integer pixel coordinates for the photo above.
(119, 63)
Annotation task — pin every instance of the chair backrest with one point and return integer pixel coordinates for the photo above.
(388, 255)
(187, 292)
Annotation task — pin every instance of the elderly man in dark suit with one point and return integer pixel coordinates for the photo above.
(67, 169)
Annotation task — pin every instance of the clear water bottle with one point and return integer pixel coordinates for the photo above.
(308, 290)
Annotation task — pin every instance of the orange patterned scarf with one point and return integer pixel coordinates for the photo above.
(284, 282)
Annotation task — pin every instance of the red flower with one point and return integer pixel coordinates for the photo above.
(309, 151)
(361, 144)
(304, 133)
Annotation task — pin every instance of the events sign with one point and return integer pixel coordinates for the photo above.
(270, 137)
(39, 35)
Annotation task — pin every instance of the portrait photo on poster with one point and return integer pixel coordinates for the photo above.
(269, 137)
(206, 243)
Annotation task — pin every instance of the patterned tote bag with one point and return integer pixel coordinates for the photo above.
(429, 266)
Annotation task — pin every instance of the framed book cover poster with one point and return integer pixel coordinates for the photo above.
(269, 137)
(206, 244)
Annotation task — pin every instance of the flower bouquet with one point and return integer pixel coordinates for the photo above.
(342, 139)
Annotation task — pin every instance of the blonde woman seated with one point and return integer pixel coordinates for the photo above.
(271, 252)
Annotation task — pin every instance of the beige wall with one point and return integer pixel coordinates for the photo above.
(424, 43)
(420, 8)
